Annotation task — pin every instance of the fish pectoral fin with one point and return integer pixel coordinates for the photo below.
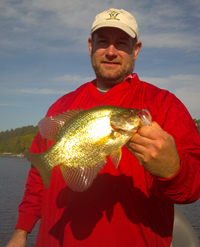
(115, 157)
(80, 178)
(49, 127)
(44, 170)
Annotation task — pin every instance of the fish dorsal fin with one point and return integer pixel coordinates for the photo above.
(49, 127)
(80, 178)
(115, 157)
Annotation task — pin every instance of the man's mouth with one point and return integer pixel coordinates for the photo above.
(111, 64)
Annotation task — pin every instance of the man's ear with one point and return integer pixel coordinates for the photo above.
(138, 46)
(90, 45)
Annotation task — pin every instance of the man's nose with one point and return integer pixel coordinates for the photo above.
(111, 51)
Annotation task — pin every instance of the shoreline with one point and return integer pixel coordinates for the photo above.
(10, 155)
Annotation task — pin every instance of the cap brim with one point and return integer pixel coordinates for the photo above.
(114, 24)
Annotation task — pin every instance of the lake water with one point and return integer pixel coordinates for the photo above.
(13, 175)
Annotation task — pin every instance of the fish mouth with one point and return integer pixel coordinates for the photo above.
(144, 116)
(131, 121)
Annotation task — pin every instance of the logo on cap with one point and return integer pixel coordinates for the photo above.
(113, 15)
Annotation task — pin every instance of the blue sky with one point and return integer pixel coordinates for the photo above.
(44, 53)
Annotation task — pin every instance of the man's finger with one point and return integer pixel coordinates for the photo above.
(151, 132)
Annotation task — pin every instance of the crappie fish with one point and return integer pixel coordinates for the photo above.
(83, 140)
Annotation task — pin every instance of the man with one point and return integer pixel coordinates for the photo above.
(133, 204)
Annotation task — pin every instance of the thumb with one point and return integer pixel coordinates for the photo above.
(156, 125)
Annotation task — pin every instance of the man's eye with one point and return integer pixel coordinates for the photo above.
(121, 43)
(102, 41)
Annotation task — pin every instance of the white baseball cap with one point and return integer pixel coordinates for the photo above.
(116, 18)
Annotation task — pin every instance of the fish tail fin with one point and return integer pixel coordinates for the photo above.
(43, 168)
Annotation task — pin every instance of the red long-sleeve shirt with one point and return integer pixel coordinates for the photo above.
(126, 206)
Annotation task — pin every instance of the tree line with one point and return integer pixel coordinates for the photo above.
(17, 140)
(197, 122)
(20, 139)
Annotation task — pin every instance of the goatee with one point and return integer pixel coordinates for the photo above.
(110, 79)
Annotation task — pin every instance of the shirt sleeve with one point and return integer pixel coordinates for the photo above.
(30, 207)
(183, 187)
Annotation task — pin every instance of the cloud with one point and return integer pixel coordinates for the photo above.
(11, 104)
(167, 25)
(190, 97)
(56, 86)
(158, 16)
(43, 91)
(63, 26)
(40, 25)
(172, 40)
(174, 82)
(185, 87)
(74, 79)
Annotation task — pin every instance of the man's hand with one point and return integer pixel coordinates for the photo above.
(155, 150)
(18, 239)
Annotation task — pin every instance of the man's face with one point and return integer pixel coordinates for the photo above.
(113, 54)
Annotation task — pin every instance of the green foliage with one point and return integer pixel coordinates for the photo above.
(197, 122)
(18, 140)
